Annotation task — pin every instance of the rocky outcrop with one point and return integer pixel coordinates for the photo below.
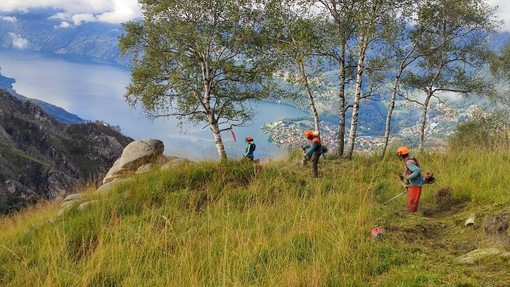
(138, 157)
(134, 156)
(42, 158)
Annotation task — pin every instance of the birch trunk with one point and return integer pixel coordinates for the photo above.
(394, 92)
(423, 120)
(341, 104)
(206, 104)
(218, 141)
(313, 109)
(387, 128)
(357, 96)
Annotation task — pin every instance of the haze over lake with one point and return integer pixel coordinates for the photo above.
(94, 91)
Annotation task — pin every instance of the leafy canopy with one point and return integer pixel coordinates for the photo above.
(198, 60)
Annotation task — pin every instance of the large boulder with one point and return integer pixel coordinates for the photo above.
(135, 155)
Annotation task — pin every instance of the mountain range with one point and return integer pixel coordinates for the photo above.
(40, 31)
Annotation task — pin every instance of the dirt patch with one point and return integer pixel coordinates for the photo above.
(496, 227)
(420, 231)
(444, 204)
(443, 196)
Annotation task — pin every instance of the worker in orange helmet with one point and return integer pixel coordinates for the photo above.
(250, 148)
(313, 151)
(412, 178)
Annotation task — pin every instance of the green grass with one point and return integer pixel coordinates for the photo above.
(230, 224)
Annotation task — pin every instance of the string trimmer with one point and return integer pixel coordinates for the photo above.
(400, 194)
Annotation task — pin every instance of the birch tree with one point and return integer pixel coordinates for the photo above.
(454, 48)
(342, 16)
(201, 61)
(402, 39)
(369, 14)
(297, 37)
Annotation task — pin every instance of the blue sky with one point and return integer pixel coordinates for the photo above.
(118, 11)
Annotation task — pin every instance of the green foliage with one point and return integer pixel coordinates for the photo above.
(201, 61)
(485, 131)
(451, 52)
(234, 223)
(500, 63)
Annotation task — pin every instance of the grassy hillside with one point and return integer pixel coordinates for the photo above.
(230, 224)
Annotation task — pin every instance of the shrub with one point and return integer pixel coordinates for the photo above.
(483, 131)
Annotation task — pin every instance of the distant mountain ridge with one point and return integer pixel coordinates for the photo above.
(39, 31)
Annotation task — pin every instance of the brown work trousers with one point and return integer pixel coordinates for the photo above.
(315, 163)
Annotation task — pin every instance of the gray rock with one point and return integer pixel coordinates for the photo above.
(144, 168)
(67, 208)
(470, 221)
(478, 254)
(141, 152)
(175, 162)
(70, 202)
(134, 155)
(87, 204)
(74, 196)
(106, 189)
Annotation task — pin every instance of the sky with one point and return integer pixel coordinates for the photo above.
(503, 13)
(79, 11)
(119, 11)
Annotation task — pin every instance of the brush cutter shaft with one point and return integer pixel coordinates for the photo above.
(400, 194)
(395, 197)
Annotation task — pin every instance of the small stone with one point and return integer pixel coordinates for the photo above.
(470, 221)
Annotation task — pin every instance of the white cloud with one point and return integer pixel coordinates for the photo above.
(80, 18)
(502, 13)
(9, 19)
(79, 11)
(18, 42)
(64, 25)
(59, 16)
(122, 10)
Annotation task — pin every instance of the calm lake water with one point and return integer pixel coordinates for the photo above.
(95, 91)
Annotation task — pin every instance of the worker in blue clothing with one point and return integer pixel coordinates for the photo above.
(313, 151)
(412, 178)
(250, 148)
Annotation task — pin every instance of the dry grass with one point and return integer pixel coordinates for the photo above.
(235, 225)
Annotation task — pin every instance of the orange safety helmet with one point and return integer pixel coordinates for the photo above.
(402, 151)
(308, 134)
(249, 139)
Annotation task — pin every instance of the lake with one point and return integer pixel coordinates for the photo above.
(95, 91)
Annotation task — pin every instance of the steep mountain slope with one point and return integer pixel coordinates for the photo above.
(41, 157)
(59, 113)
